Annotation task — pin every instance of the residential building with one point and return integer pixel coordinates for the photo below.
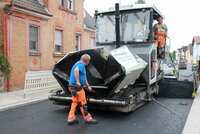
(37, 33)
(89, 26)
(184, 53)
(189, 56)
(195, 49)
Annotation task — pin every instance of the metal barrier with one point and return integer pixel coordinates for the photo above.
(38, 80)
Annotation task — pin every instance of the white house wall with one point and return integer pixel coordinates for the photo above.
(194, 53)
(198, 51)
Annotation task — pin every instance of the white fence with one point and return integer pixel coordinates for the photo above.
(39, 80)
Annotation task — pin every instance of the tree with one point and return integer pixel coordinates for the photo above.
(140, 2)
(173, 54)
(4, 64)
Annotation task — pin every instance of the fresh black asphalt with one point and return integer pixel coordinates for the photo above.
(46, 118)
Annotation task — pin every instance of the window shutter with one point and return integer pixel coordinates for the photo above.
(33, 33)
(92, 42)
(58, 37)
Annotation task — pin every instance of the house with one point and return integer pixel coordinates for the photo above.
(195, 49)
(184, 53)
(189, 55)
(37, 33)
(89, 27)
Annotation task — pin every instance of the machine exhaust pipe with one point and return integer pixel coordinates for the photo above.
(117, 26)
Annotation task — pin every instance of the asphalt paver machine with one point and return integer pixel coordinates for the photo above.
(124, 70)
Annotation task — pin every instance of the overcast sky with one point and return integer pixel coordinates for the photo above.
(181, 16)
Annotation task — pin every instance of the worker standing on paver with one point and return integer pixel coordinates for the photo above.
(78, 80)
(160, 33)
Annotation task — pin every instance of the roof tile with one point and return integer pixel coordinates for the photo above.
(196, 39)
(89, 20)
(34, 5)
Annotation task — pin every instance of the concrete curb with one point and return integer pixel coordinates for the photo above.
(26, 102)
(193, 121)
(9, 100)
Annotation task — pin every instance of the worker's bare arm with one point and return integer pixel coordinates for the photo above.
(76, 74)
(87, 84)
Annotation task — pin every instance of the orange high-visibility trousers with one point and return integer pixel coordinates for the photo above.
(160, 42)
(79, 101)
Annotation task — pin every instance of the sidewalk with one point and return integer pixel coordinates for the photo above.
(16, 98)
(193, 121)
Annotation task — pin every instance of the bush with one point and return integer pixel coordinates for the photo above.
(4, 65)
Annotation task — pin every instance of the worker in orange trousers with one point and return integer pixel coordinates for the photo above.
(78, 79)
(160, 33)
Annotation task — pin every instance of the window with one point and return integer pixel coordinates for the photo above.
(78, 42)
(70, 4)
(33, 38)
(67, 4)
(63, 3)
(92, 42)
(134, 27)
(58, 41)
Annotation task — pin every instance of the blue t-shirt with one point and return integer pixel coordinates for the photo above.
(82, 74)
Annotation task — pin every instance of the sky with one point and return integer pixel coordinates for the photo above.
(181, 17)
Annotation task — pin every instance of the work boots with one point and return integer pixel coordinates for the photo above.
(92, 121)
(73, 122)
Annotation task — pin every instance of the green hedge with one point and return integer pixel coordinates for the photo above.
(4, 65)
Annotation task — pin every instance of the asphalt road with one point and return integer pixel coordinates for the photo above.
(46, 118)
